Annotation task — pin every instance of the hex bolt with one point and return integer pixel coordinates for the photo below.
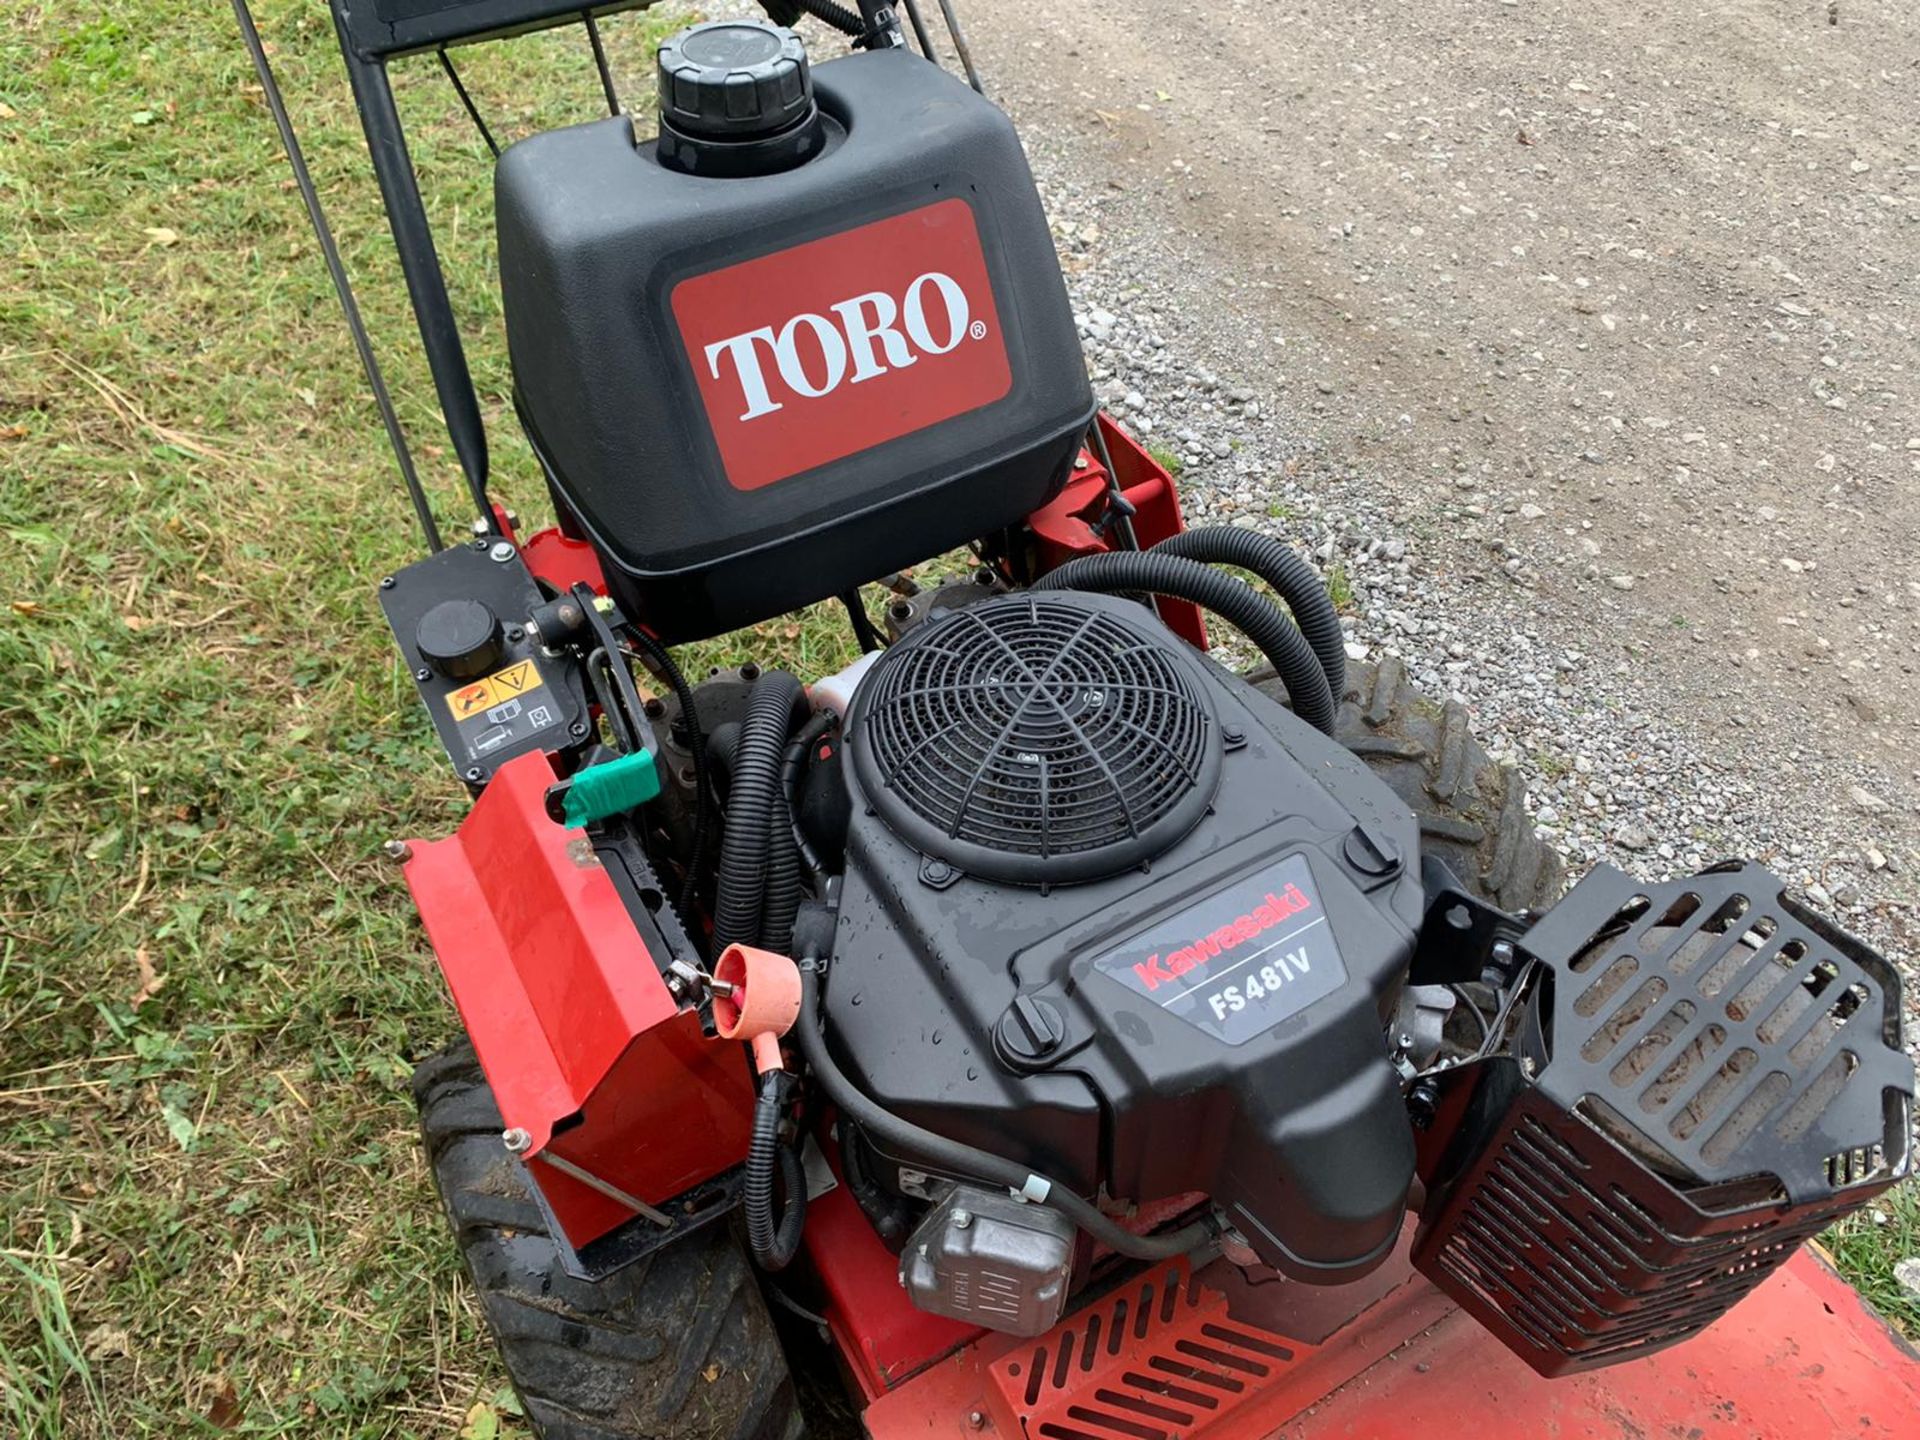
(976, 1420)
(501, 552)
(397, 851)
(481, 528)
(961, 1219)
(1423, 1104)
(517, 1141)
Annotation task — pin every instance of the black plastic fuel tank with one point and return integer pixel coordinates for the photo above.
(755, 390)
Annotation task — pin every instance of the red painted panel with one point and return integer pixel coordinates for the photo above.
(568, 1012)
(1803, 1358)
(1065, 530)
(563, 562)
(879, 1332)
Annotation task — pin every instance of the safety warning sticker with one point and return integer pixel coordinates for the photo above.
(502, 709)
(496, 689)
(1239, 962)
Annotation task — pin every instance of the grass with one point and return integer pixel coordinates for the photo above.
(212, 992)
(1868, 1244)
(1166, 457)
(1340, 588)
(214, 1213)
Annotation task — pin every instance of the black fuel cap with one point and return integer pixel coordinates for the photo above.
(460, 639)
(734, 80)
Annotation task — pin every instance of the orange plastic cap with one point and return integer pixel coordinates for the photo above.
(764, 1003)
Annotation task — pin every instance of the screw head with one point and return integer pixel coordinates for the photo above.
(578, 729)
(961, 1219)
(387, 582)
(517, 1141)
(502, 552)
(481, 528)
(423, 674)
(397, 850)
(475, 774)
(976, 1420)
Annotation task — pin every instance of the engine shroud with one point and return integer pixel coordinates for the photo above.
(1111, 912)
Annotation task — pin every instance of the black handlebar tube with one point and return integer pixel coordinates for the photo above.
(419, 263)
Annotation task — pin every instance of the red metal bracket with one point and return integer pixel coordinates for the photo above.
(1066, 528)
(586, 1049)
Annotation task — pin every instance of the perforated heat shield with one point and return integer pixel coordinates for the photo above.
(1694, 1077)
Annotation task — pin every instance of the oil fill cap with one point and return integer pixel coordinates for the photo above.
(460, 639)
(734, 80)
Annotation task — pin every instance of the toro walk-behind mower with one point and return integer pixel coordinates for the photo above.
(1034, 1029)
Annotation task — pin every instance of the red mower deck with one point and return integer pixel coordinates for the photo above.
(1803, 1358)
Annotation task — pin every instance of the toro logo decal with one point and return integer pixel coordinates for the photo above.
(821, 351)
(1156, 971)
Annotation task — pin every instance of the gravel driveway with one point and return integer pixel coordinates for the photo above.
(1580, 335)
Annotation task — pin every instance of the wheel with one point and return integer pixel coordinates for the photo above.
(1472, 812)
(678, 1346)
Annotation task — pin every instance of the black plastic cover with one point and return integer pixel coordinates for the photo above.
(1221, 1006)
(492, 691)
(638, 297)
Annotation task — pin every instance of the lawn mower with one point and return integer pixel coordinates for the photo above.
(1035, 1028)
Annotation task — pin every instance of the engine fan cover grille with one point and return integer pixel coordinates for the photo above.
(1038, 739)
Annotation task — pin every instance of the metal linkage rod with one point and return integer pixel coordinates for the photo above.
(323, 233)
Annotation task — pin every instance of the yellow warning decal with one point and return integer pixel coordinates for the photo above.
(496, 689)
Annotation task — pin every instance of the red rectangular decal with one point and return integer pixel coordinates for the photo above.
(812, 354)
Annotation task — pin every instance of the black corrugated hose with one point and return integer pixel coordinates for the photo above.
(790, 767)
(785, 12)
(954, 1158)
(753, 806)
(1257, 617)
(773, 1242)
(1296, 581)
(702, 791)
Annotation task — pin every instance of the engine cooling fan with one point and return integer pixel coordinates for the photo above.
(1038, 739)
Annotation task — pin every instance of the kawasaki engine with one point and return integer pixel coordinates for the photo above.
(1116, 916)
